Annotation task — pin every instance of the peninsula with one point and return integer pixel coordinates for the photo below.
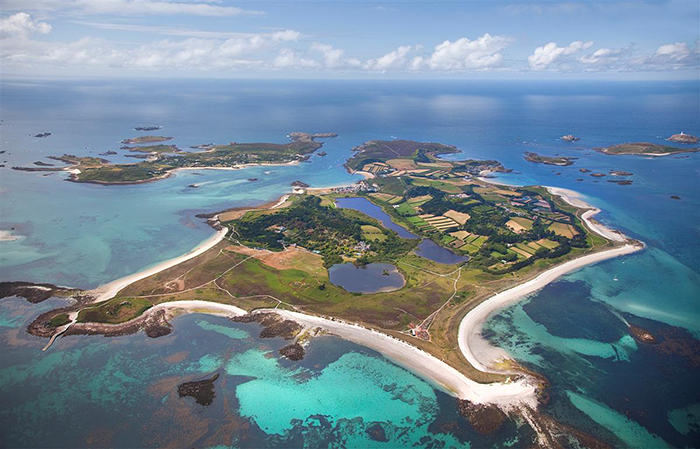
(451, 240)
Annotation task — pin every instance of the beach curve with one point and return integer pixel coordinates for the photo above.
(479, 352)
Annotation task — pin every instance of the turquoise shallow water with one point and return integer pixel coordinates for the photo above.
(81, 235)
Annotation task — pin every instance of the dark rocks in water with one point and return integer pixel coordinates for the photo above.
(274, 325)
(570, 138)
(299, 184)
(622, 182)
(3, 151)
(486, 419)
(598, 175)
(147, 128)
(322, 153)
(252, 179)
(194, 186)
(201, 390)
(157, 325)
(108, 153)
(34, 293)
(584, 170)
(43, 164)
(675, 197)
(294, 352)
(377, 433)
(642, 335)
(41, 135)
(579, 179)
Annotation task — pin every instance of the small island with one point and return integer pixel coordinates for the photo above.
(643, 149)
(547, 160)
(684, 138)
(147, 128)
(42, 135)
(146, 139)
(570, 138)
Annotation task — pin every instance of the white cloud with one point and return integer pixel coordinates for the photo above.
(286, 36)
(18, 49)
(464, 54)
(548, 54)
(393, 60)
(288, 58)
(673, 52)
(22, 25)
(133, 7)
(607, 55)
(334, 58)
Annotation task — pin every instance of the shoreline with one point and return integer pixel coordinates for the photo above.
(506, 394)
(478, 351)
(109, 290)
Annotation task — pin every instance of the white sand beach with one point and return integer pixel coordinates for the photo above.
(475, 348)
(109, 290)
(428, 367)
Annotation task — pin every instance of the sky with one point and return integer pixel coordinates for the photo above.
(360, 39)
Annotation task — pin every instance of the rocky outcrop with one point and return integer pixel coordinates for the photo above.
(201, 390)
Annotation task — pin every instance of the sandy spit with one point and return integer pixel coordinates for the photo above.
(107, 291)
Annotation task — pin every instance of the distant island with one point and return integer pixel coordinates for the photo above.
(147, 128)
(570, 138)
(41, 135)
(146, 139)
(158, 164)
(644, 149)
(684, 138)
(547, 160)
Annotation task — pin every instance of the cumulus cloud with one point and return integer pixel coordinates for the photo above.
(673, 52)
(22, 25)
(189, 54)
(333, 57)
(393, 60)
(288, 58)
(545, 56)
(464, 54)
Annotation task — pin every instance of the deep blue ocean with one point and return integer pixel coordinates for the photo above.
(121, 391)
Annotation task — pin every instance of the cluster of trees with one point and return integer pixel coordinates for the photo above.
(332, 232)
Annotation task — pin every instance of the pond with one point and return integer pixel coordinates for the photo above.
(371, 278)
(374, 211)
(427, 248)
(436, 253)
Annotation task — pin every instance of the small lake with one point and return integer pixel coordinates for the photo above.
(370, 278)
(431, 250)
(374, 211)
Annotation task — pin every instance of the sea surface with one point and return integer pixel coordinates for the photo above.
(122, 391)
